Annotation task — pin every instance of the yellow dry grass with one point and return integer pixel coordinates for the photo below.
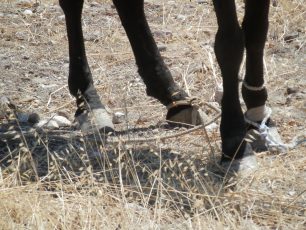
(52, 181)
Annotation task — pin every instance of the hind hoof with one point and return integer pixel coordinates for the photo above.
(97, 120)
(246, 164)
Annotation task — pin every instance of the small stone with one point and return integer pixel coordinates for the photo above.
(47, 123)
(118, 117)
(61, 121)
(181, 17)
(291, 193)
(28, 12)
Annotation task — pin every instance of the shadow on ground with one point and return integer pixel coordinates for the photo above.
(143, 169)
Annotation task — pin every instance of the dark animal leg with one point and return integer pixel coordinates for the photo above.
(80, 79)
(151, 67)
(229, 46)
(255, 28)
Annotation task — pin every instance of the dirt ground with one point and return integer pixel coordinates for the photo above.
(34, 69)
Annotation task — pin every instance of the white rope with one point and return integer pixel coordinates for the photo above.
(253, 88)
(270, 140)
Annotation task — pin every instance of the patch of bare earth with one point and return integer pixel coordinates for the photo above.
(57, 179)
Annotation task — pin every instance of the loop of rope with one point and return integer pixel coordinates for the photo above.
(192, 101)
(253, 88)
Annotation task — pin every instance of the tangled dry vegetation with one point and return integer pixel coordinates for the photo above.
(54, 179)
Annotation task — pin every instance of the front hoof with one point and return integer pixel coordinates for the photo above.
(246, 164)
(184, 113)
(97, 120)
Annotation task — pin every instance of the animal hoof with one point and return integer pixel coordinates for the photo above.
(185, 112)
(241, 166)
(184, 115)
(97, 120)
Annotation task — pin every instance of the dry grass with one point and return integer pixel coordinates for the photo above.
(53, 180)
